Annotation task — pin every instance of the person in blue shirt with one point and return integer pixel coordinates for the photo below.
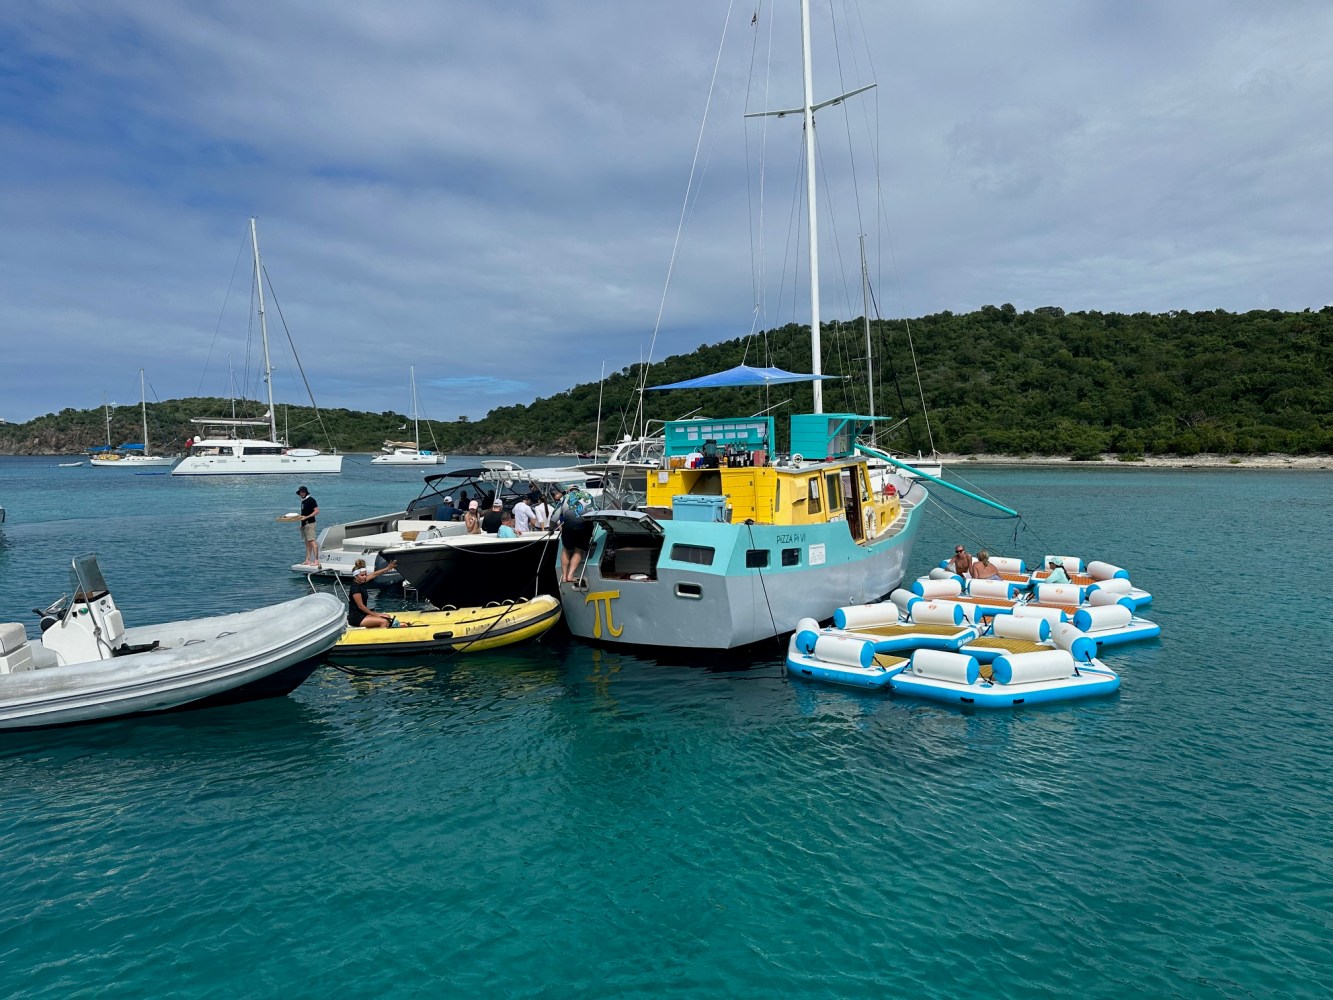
(447, 511)
(507, 526)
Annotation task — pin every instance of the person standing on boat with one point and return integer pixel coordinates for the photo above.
(358, 613)
(447, 511)
(309, 510)
(524, 516)
(490, 521)
(961, 563)
(507, 529)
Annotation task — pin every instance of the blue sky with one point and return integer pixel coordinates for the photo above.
(491, 192)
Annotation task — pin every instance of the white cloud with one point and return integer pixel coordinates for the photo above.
(490, 192)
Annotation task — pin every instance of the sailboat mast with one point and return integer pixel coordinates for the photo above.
(870, 361)
(416, 429)
(810, 200)
(143, 408)
(263, 332)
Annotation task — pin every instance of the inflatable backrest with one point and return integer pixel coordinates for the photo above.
(938, 665)
(1011, 627)
(866, 615)
(1032, 668)
(1096, 619)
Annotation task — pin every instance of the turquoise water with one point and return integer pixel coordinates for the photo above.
(558, 820)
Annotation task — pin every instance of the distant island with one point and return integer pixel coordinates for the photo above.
(1082, 386)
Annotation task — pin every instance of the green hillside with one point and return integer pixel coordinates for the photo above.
(994, 380)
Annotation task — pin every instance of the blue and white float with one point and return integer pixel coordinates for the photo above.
(1009, 680)
(860, 649)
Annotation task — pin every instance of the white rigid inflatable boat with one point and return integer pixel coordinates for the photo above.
(88, 665)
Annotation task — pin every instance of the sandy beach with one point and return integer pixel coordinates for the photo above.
(1304, 463)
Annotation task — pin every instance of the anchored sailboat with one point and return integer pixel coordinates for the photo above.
(220, 450)
(135, 455)
(409, 452)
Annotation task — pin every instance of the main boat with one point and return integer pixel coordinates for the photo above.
(739, 539)
(222, 449)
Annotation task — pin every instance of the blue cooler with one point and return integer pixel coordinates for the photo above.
(688, 507)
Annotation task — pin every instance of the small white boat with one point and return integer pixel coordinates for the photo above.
(410, 452)
(134, 455)
(70, 465)
(89, 666)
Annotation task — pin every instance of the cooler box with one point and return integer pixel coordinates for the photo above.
(689, 507)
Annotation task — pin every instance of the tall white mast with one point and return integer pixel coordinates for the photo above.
(416, 429)
(870, 361)
(143, 407)
(263, 332)
(810, 198)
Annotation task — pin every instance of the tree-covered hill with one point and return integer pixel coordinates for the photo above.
(994, 380)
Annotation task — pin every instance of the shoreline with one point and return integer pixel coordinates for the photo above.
(1299, 463)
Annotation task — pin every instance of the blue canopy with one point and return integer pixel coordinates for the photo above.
(744, 375)
(131, 447)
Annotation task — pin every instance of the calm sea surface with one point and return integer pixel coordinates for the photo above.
(558, 820)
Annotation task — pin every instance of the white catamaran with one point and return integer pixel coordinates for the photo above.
(221, 450)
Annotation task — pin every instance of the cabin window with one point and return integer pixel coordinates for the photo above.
(691, 590)
(791, 557)
(814, 506)
(756, 558)
(699, 554)
(834, 491)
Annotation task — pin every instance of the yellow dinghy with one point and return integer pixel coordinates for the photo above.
(461, 630)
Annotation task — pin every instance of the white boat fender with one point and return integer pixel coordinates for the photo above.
(1080, 646)
(939, 665)
(1008, 564)
(1072, 564)
(1105, 571)
(1032, 629)
(1099, 598)
(925, 612)
(807, 632)
(1096, 619)
(1059, 593)
(944, 573)
(1052, 615)
(1030, 668)
(1112, 586)
(867, 615)
(844, 650)
(992, 588)
(951, 587)
(903, 599)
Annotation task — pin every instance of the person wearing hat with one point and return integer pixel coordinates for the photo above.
(525, 517)
(358, 614)
(309, 508)
(1055, 572)
(472, 519)
(447, 511)
(490, 521)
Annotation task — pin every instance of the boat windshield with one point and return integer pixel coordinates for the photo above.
(85, 578)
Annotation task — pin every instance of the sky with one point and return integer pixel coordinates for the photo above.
(511, 197)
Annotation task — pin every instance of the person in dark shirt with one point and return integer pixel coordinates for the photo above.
(490, 521)
(358, 613)
(309, 508)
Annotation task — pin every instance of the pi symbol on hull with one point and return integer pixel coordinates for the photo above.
(602, 599)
